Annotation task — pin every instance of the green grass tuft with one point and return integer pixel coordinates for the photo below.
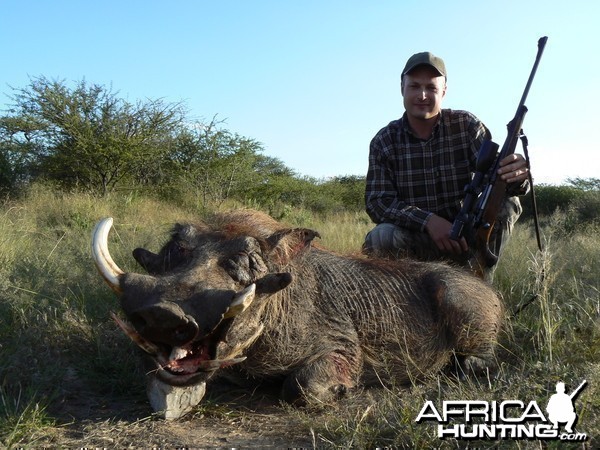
(22, 419)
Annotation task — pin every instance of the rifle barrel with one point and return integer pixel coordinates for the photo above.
(541, 45)
(579, 388)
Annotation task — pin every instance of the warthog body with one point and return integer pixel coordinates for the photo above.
(248, 287)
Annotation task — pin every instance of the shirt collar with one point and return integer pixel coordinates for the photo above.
(407, 129)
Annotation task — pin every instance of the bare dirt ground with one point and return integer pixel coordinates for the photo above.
(243, 420)
(257, 429)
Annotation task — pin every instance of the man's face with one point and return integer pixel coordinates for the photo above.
(423, 90)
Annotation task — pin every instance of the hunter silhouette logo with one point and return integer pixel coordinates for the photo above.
(560, 406)
(507, 419)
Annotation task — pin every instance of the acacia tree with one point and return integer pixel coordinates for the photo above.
(88, 137)
(17, 150)
(214, 162)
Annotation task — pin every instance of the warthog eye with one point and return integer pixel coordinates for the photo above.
(182, 249)
(178, 255)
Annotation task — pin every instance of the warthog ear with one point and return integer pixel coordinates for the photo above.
(285, 245)
(151, 262)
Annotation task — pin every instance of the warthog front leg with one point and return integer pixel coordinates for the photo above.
(324, 379)
(473, 315)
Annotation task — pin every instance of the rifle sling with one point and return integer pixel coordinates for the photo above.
(542, 275)
(536, 223)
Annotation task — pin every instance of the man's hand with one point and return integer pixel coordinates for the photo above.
(513, 169)
(438, 229)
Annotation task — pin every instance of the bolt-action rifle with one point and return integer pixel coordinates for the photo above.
(486, 193)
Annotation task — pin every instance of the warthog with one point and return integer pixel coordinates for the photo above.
(247, 291)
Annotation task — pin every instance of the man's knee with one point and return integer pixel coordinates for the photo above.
(389, 240)
(510, 212)
(380, 239)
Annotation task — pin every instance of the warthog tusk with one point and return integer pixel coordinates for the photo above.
(105, 264)
(241, 301)
(144, 344)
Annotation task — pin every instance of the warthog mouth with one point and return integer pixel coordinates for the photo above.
(190, 363)
(194, 361)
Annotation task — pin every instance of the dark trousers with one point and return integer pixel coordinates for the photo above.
(391, 241)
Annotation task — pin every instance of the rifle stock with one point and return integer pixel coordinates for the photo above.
(483, 254)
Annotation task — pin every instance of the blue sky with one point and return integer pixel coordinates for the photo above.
(313, 81)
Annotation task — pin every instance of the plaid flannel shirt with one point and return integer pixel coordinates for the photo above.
(409, 179)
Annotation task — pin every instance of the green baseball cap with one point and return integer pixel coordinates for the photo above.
(425, 58)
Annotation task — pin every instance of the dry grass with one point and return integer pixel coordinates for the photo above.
(62, 359)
